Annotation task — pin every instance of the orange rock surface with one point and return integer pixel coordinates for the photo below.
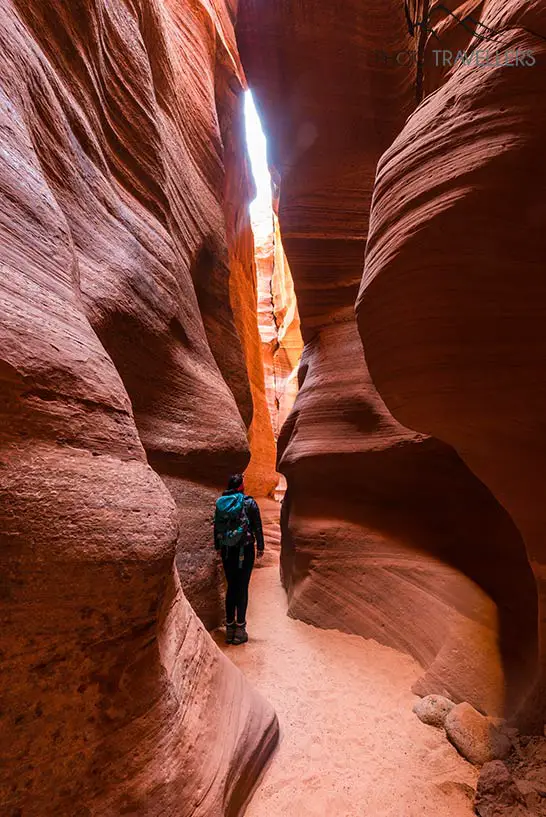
(114, 357)
(386, 532)
(453, 299)
(278, 320)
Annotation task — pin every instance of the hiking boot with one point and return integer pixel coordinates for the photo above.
(241, 635)
(230, 633)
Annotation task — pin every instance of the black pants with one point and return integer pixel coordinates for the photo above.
(237, 582)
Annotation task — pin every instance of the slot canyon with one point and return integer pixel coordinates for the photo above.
(360, 338)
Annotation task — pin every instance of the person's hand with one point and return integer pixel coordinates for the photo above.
(260, 553)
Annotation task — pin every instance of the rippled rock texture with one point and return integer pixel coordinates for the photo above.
(386, 532)
(115, 254)
(278, 320)
(453, 299)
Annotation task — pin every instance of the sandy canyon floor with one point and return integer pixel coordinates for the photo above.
(350, 743)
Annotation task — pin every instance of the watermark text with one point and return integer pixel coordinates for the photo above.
(445, 58)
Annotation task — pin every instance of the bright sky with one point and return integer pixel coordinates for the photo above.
(257, 150)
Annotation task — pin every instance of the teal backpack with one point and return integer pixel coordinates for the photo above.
(231, 523)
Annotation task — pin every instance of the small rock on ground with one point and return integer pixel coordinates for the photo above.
(433, 709)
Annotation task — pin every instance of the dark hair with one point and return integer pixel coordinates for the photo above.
(235, 481)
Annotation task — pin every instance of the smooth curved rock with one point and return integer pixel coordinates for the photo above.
(386, 532)
(453, 298)
(157, 213)
(113, 692)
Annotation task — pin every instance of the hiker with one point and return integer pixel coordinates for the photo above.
(237, 524)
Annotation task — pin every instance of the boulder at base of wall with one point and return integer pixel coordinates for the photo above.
(475, 736)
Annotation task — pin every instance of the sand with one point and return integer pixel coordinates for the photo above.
(350, 743)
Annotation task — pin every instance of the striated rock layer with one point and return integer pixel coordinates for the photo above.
(386, 532)
(112, 254)
(453, 298)
(278, 321)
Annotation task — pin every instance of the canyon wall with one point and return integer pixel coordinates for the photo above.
(453, 299)
(386, 532)
(119, 349)
(278, 320)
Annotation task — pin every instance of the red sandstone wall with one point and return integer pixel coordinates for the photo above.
(113, 248)
(385, 531)
(278, 320)
(290, 342)
(453, 298)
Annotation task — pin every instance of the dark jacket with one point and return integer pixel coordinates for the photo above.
(256, 533)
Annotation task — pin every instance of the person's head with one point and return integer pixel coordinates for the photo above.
(236, 483)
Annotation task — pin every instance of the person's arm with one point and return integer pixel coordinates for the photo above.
(255, 520)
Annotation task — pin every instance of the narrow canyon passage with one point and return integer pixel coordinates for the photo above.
(361, 328)
(350, 744)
